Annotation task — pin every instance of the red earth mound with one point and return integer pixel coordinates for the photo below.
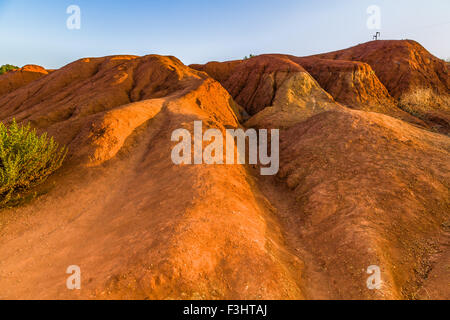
(355, 188)
(138, 226)
(349, 82)
(220, 71)
(355, 85)
(397, 78)
(275, 91)
(416, 78)
(15, 79)
(402, 65)
(370, 190)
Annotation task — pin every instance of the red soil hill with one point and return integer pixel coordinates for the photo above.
(355, 188)
(15, 79)
(416, 78)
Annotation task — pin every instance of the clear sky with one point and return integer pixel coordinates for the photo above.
(197, 31)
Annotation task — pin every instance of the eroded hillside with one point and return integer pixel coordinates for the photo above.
(362, 181)
(417, 79)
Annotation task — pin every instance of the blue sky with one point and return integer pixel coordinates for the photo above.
(197, 31)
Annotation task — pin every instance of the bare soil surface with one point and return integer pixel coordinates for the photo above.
(364, 179)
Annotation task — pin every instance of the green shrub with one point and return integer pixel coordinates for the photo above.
(26, 159)
(7, 67)
(249, 57)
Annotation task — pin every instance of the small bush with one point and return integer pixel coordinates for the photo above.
(7, 67)
(26, 159)
(249, 57)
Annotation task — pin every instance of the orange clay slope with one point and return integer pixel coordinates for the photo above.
(419, 81)
(398, 78)
(137, 225)
(275, 90)
(355, 188)
(15, 79)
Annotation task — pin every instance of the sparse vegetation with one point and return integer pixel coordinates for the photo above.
(415, 101)
(26, 159)
(7, 67)
(249, 57)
